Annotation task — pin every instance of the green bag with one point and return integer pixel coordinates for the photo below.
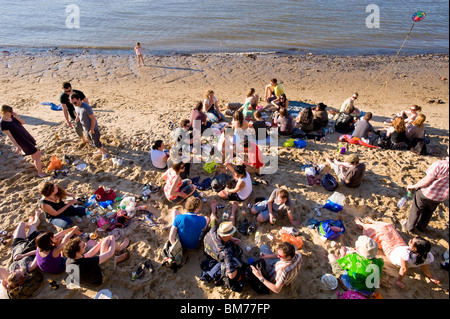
(210, 167)
(289, 143)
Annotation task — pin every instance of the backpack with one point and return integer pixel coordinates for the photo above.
(102, 195)
(254, 282)
(329, 182)
(220, 181)
(420, 147)
(173, 255)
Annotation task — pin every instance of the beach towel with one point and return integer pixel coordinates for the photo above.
(355, 140)
(53, 106)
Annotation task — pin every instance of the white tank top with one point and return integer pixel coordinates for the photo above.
(247, 190)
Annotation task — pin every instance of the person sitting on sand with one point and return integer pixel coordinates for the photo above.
(94, 267)
(396, 134)
(49, 248)
(247, 109)
(345, 121)
(320, 119)
(261, 129)
(278, 203)
(350, 104)
(159, 155)
(221, 246)
(21, 279)
(285, 122)
(69, 109)
(253, 158)
(363, 129)
(86, 116)
(282, 268)
(272, 91)
(189, 227)
(305, 120)
(211, 108)
(413, 113)
(199, 120)
(243, 187)
(279, 103)
(416, 130)
(56, 210)
(414, 254)
(176, 188)
(12, 125)
(351, 172)
(239, 124)
(358, 267)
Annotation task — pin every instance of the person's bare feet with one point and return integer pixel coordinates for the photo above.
(123, 257)
(122, 246)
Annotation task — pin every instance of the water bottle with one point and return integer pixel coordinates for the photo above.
(409, 194)
(225, 216)
(402, 202)
(257, 237)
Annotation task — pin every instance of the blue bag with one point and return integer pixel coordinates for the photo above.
(326, 231)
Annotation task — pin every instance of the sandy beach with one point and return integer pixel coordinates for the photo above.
(134, 105)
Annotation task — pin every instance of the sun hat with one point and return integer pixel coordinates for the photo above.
(366, 246)
(352, 158)
(226, 229)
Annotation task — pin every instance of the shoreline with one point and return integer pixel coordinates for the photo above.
(119, 51)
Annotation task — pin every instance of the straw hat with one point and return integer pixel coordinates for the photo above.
(366, 246)
(352, 158)
(226, 229)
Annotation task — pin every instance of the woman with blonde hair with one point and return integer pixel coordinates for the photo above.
(56, 210)
(210, 107)
(12, 125)
(417, 128)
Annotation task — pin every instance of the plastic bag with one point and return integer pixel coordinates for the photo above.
(128, 204)
(300, 143)
(289, 143)
(294, 240)
(335, 203)
(331, 229)
(210, 167)
(55, 164)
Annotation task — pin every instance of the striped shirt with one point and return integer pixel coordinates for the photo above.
(438, 188)
(286, 271)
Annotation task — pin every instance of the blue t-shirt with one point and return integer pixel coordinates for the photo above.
(190, 227)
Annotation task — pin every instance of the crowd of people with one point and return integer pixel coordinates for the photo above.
(243, 135)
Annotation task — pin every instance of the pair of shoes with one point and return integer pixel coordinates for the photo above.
(140, 270)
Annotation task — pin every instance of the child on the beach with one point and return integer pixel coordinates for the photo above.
(138, 50)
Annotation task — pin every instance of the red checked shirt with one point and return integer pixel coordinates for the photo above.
(438, 188)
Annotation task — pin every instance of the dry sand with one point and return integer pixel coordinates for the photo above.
(133, 107)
